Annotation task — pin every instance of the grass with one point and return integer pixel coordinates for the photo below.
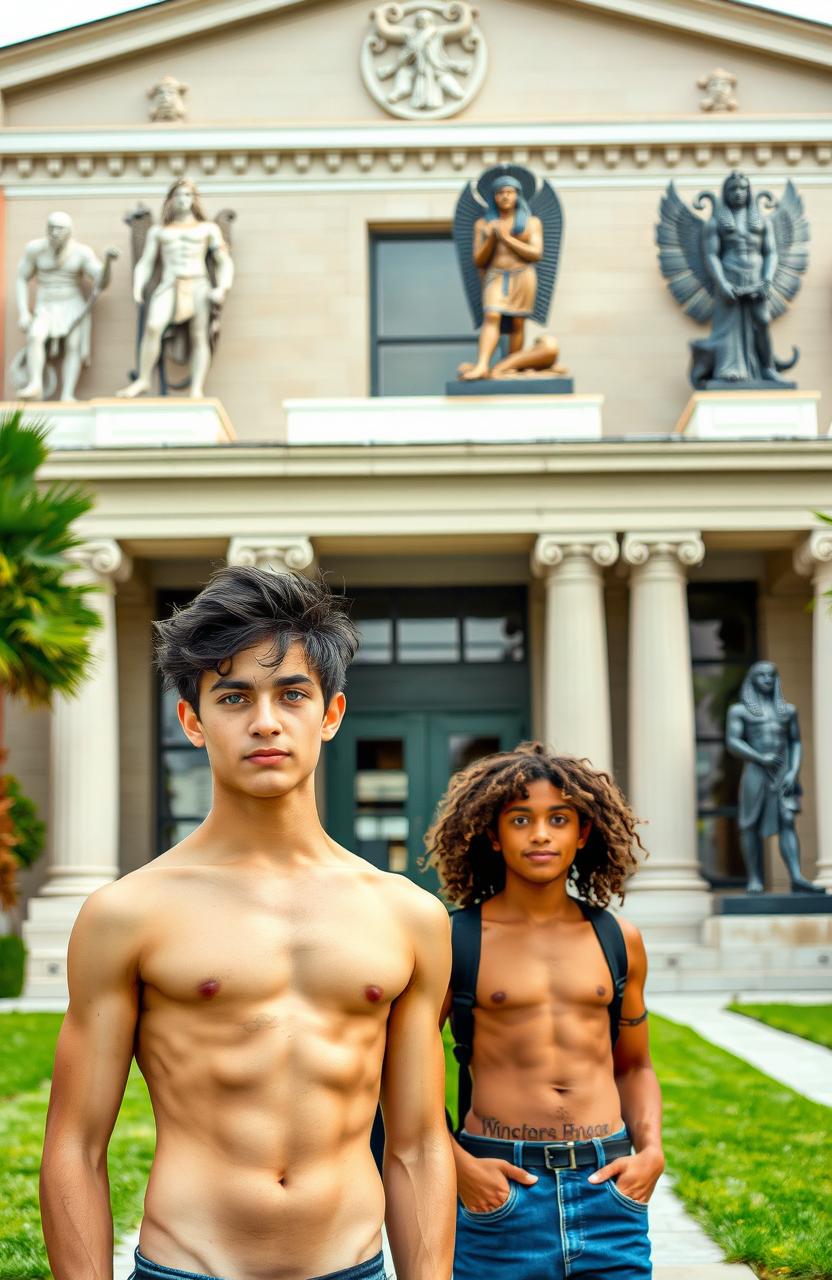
(810, 1021)
(749, 1157)
(27, 1045)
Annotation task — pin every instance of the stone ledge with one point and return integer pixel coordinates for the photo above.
(110, 423)
(408, 420)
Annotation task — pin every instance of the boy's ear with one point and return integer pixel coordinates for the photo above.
(333, 716)
(492, 836)
(586, 829)
(189, 721)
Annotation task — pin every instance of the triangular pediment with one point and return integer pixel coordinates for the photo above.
(162, 26)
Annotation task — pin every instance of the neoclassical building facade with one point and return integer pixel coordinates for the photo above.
(597, 569)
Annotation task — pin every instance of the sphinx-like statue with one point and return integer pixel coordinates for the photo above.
(58, 327)
(507, 232)
(181, 277)
(738, 269)
(762, 730)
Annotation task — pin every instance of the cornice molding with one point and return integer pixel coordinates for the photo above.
(688, 148)
(154, 26)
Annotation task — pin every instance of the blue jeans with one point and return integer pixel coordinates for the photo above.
(561, 1226)
(372, 1269)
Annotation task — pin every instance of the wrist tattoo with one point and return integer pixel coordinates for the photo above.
(633, 1022)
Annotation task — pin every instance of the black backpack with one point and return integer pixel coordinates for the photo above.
(466, 933)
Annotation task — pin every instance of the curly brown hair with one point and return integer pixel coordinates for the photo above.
(458, 844)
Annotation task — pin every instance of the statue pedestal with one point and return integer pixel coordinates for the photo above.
(468, 419)
(750, 415)
(773, 904)
(528, 386)
(150, 421)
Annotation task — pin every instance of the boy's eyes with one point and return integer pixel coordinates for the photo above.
(237, 699)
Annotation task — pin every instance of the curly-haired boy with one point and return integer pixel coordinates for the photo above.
(532, 847)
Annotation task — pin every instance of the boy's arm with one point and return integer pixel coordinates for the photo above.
(92, 1060)
(418, 1167)
(638, 1088)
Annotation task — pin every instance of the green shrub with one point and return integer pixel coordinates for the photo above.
(28, 828)
(12, 964)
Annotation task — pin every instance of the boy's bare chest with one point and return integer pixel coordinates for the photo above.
(561, 968)
(343, 953)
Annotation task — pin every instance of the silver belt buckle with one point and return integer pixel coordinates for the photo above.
(560, 1146)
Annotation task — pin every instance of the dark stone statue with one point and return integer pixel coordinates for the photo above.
(738, 269)
(763, 731)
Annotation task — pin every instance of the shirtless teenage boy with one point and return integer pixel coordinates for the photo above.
(268, 981)
(547, 1185)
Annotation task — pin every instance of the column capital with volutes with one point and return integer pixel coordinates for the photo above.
(684, 546)
(101, 560)
(275, 554)
(814, 553)
(551, 550)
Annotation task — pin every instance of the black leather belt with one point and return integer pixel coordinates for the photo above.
(546, 1155)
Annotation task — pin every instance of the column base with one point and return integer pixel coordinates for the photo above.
(46, 933)
(670, 912)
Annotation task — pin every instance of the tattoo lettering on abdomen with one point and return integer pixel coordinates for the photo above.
(565, 1132)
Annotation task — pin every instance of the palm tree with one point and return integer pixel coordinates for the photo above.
(46, 622)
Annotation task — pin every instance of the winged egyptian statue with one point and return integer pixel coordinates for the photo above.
(739, 268)
(182, 270)
(507, 231)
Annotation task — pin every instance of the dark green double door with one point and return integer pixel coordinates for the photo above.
(386, 772)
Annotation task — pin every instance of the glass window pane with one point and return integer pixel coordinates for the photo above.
(719, 846)
(715, 687)
(717, 776)
(174, 832)
(418, 289)
(722, 621)
(493, 639)
(465, 748)
(186, 779)
(380, 823)
(420, 369)
(170, 730)
(428, 640)
(376, 640)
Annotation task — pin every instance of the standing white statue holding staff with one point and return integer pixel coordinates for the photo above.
(62, 311)
(190, 249)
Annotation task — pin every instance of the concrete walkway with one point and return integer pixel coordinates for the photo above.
(803, 1066)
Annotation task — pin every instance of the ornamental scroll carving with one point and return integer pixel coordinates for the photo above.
(423, 59)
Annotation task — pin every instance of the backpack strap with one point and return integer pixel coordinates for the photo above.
(611, 941)
(466, 940)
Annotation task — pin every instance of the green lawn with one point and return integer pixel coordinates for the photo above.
(749, 1157)
(27, 1046)
(811, 1021)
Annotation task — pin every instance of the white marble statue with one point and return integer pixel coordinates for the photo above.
(59, 326)
(196, 274)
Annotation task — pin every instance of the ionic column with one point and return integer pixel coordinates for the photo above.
(278, 554)
(668, 896)
(814, 559)
(84, 783)
(576, 692)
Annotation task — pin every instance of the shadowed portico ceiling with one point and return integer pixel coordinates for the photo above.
(123, 35)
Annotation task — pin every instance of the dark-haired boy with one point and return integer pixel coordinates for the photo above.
(548, 1187)
(269, 982)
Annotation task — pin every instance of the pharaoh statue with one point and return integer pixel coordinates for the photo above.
(762, 730)
(738, 269)
(182, 275)
(507, 231)
(59, 328)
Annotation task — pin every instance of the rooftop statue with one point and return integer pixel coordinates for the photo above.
(762, 730)
(60, 326)
(738, 269)
(183, 271)
(507, 231)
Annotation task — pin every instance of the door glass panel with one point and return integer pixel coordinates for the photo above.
(380, 824)
(715, 686)
(464, 748)
(187, 783)
(174, 832)
(376, 640)
(428, 640)
(170, 730)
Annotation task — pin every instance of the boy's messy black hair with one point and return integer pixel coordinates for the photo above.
(241, 607)
(459, 844)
